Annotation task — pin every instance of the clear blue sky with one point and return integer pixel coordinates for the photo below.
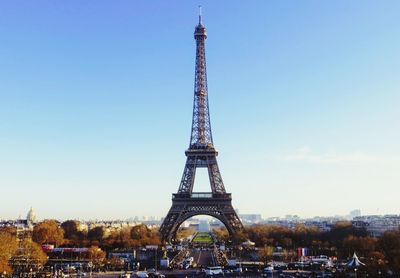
(96, 100)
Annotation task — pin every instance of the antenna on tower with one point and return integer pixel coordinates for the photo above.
(200, 22)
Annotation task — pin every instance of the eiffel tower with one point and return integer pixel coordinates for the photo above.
(201, 153)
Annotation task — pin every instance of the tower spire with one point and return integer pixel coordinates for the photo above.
(200, 19)
(201, 136)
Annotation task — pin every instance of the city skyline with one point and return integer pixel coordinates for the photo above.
(96, 106)
(149, 218)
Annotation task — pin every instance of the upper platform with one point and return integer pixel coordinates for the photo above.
(201, 150)
(202, 196)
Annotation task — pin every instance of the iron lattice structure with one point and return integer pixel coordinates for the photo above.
(201, 153)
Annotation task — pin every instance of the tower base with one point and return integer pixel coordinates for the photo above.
(185, 205)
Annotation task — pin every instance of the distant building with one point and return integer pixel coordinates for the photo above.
(291, 221)
(250, 218)
(204, 225)
(293, 218)
(31, 217)
(23, 227)
(354, 213)
(377, 224)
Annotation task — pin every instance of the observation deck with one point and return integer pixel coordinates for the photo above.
(200, 149)
(202, 195)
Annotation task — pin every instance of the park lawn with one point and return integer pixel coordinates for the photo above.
(203, 237)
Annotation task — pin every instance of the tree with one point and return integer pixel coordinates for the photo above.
(221, 234)
(29, 256)
(125, 238)
(143, 235)
(71, 228)
(389, 243)
(343, 229)
(362, 245)
(265, 253)
(72, 232)
(184, 233)
(9, 230)
(96, 256)
(96, 234)
(239, 238)
(376, 262)
(8, 246)
(48, 232)
(273, 235)
(139, 231)
(118, 239)
(115, 263)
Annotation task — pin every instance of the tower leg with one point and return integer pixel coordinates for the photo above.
(188, 176)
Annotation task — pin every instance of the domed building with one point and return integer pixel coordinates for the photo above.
(31, 217)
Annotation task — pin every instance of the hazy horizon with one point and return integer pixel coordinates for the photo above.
(158, 217)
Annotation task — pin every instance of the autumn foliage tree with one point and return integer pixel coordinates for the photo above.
(8, 246)
(342, 240)
(265, 253)
(221, 234)
(72, 233)
(127, 238)
(96, 256)
(271, 235)
(184, 233)
(363, 245)
(31, 254)
(389, 243)
(119, 239)
(142, 235)
(48, 232)
(96, 235)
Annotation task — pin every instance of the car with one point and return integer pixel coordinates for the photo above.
(156, 275)
(186, 266)
(213, 270)
(268, 269)
(141, 274)
(251, 270)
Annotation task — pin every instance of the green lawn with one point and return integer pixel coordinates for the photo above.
(202, 237)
